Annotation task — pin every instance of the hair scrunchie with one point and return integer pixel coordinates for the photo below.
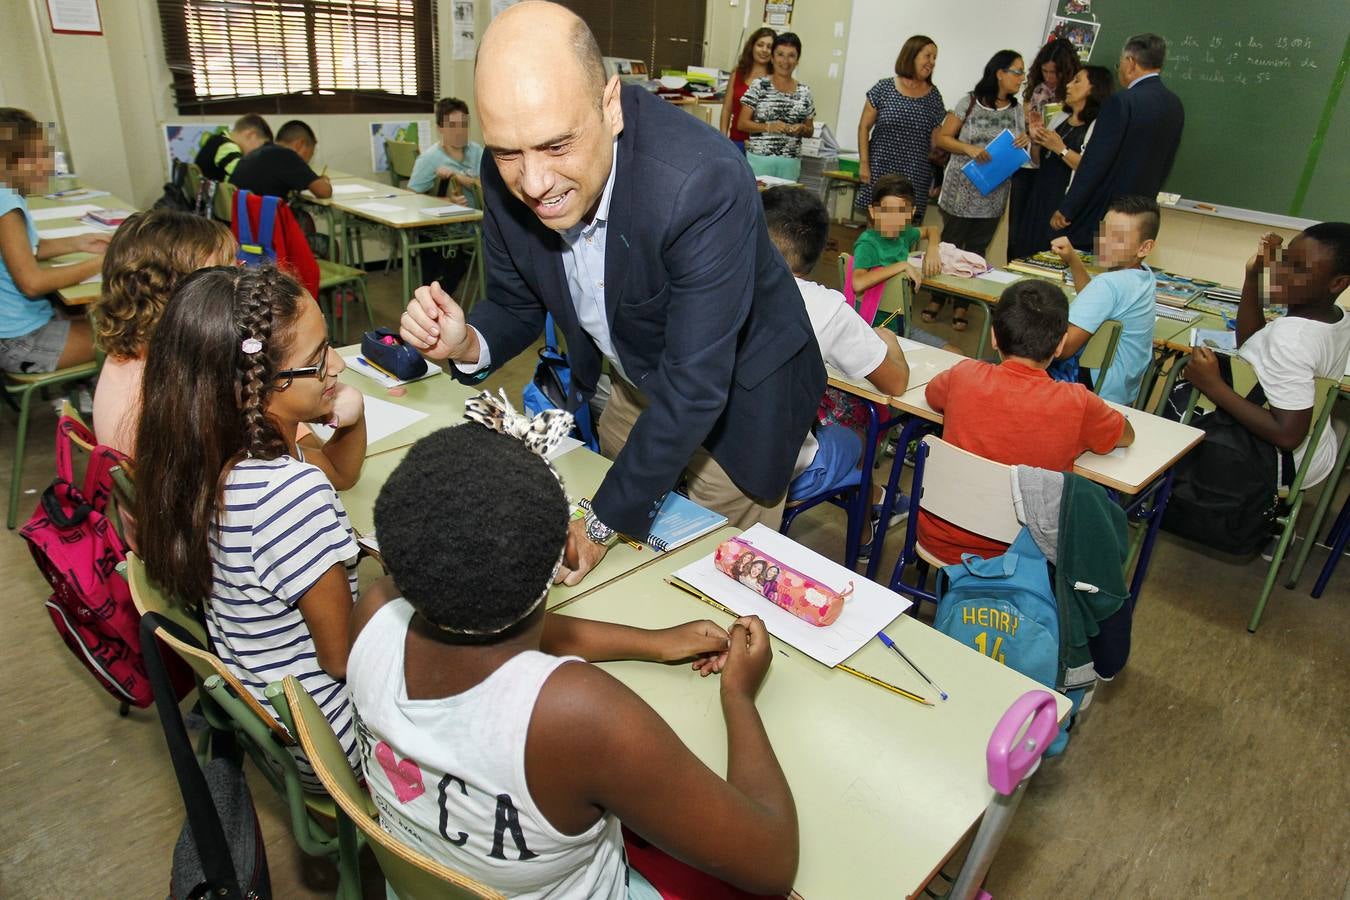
(541, 432)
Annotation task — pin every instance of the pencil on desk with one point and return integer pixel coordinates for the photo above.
(698, 595)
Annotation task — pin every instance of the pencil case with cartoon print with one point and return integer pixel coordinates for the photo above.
(805, 597)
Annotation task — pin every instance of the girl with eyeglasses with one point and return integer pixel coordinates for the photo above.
(970, 218)
(236, 521)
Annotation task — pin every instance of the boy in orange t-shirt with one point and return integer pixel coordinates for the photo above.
(1014, 413)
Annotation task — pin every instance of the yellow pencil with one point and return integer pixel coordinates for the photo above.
(889, 319)
(694, 592)
(884, 684)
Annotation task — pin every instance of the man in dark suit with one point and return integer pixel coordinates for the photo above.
(1134, 141)
(641, 231)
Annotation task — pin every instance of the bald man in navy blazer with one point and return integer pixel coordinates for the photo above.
(1133, 144)
(641, 231)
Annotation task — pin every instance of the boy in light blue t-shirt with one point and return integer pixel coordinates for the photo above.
(455, 159)
(1124, 292)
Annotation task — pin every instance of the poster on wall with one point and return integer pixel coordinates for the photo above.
(778, 14)
(1079, 32)
(418, 133)
(465, 29)
(500, 6)
(182, 141)
(74, 16)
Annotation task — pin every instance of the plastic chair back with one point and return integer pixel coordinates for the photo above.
(401, 155)
(843, 264)
(1100, 350)
(969, 491)
(411, 875)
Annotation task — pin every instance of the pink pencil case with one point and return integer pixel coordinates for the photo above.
(800, 594)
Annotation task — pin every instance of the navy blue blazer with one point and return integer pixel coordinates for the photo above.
(1131, 151)
(705, 316)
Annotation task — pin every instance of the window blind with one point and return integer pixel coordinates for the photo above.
(296, 56)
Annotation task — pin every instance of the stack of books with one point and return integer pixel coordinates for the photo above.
(108, 218)
(1178, 290)
(1047, 264)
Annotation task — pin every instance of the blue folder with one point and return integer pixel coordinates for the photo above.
(1004, 159)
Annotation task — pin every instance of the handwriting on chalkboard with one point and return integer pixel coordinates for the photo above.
(1242, 59)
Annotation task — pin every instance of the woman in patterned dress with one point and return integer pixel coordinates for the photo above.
(899, 120)
(776, 113)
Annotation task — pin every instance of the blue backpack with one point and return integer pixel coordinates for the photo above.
(552, 385)
(1005, 608)
(255, 252)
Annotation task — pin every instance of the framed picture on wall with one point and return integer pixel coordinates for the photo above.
(74, 16)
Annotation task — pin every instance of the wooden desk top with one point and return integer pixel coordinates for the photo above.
(77, 294)
(885, 789)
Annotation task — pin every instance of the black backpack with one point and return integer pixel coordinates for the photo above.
(175, 194)
(1226, 491)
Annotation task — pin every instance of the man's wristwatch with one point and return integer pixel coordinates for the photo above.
(1064, 153)
(600, 533)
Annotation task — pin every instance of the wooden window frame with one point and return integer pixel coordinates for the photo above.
(315, 100)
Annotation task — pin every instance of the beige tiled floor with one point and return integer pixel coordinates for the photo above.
(1215, 765)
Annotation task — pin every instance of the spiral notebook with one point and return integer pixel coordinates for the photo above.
(680, 521)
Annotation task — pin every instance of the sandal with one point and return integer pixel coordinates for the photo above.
(960, 322)
(930, 312)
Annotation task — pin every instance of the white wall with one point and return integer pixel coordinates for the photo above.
(967, 33)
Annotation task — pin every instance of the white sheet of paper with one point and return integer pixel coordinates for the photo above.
(76, 195)
(453, 209)
(773, 180)
(61, 212)
(1002, 276)
(358, 364)
(70, 231)
(96, 278)
(926, 363)
(870, 608)
(377, 207)
(382, 419)
(340, 190)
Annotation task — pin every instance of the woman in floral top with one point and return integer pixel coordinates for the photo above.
(970, 218)
(776, 113)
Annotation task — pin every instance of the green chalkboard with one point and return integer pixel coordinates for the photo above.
(1267, 124)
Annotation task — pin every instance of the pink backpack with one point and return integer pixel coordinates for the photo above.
(78, 550)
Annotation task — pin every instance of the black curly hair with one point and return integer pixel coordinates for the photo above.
(471, 524)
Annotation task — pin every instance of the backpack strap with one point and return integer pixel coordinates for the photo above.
(550, 334)
(267, 220)
(203, 818)
(248, 250)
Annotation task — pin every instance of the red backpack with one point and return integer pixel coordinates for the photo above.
(78, 550)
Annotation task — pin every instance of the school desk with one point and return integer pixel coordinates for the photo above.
(838, 180)
(440, 397)
(336, 221)
(76, 294)
(405, 214)
(885, 789)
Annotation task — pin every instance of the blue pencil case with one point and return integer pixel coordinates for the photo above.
(384, 349)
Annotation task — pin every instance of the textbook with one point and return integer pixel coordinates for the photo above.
(108, 217)
(1047, 264)
(1004, 160)
(1178, 290)
(680, 521)
(1220, 340)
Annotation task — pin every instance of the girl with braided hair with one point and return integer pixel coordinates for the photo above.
(236, 521)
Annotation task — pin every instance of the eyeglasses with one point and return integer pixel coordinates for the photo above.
(320, 370)
(1018, 72)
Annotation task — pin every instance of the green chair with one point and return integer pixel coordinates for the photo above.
(1100, 350)
(229, 708)
(841, 263)
(401, 155)
(333, 276)
(1327, 391)
(22, 387)
(222, 203)
(411, 875)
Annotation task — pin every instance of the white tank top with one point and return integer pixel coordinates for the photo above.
(448, 775)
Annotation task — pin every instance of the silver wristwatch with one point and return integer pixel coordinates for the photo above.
(600, 533)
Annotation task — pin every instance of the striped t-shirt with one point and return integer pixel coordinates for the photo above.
(772, 105)
(281, 528)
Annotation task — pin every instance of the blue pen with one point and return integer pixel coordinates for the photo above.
(886, 639)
